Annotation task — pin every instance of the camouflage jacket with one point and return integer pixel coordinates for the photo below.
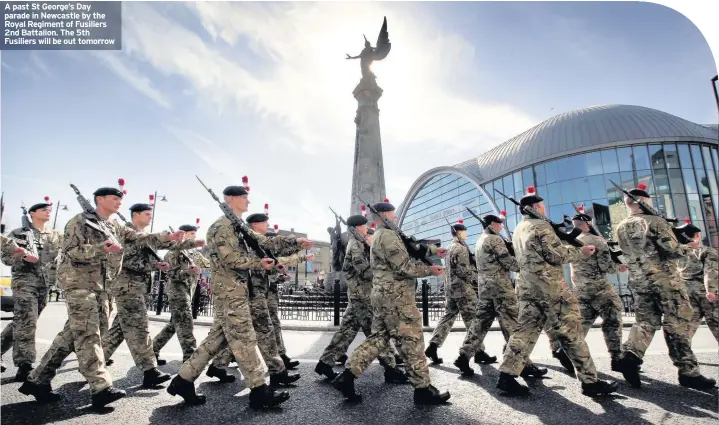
(590, 273)
(230, 260)
(493, 265)
(8, 247)
(394, 272)
(461, 271)
(43, 273)
(540, 255)
(262, 281)
(650, 250)
(179, 279)
(85, 264)
(698, 270)
(357, 270)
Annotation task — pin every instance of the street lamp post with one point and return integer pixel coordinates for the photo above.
(153, 203)
(57, 209)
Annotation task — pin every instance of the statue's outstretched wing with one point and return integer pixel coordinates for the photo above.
(383, 44)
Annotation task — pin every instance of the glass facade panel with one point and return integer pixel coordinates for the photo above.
(684, 156)
(671, 158)
(690, 183)
(582, 189)
(628, 179)
(508, 185)
(554, 194)
(641, 157)
(680, 207)
(551, 171)
(596, 187)
(675, 181)
(707, 158)
(697, 156)
(594, 163)
(518, 185)
(540, 175)
(578, 166)
(703, 182)
(661, 180)
(527, 178)
(625, 159)
(656, 156)
(567, 192)
(695, 207)
(609, 161)
(715, 158)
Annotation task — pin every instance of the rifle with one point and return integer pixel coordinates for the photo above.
(649, 210)
(415, 249)
(2, 211)
(93, 220)
(615, 253)
(243, 232)
(32, 247)
(507, 243)
(352, 230)
(570, 237)
(184, 252)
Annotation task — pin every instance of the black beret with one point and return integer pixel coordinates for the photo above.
(689, 229)
(356, 220)
(38, 206)
(235, 191)
(582, 217)
(641, 190)
(491, 218)
(106, 191)
(137, 208)
(188, 228)
(383, 207)
(257, 218)
(459, 227)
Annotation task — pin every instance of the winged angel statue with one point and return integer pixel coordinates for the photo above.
(370, 54)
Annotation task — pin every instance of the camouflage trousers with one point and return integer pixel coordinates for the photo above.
(706, 309)
(131, 324)
(604, 303)
(232, 326)
(671, 311)
(273, 303)
(465, 306)
(81, 334)
(20, 334)
(398, 318)
(562, 316)
(505, 308)
(358, 315)
(180, 323)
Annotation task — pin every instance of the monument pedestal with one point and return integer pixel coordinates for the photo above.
(330, 282)
(368, 170)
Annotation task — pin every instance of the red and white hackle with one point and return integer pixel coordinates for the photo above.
(121, 185)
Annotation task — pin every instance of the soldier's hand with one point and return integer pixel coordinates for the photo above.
(199, 243)
(711, 296)
(176, 236)
(310, 257)
(30, 258)
(286, 277)
(306, 243)
(441, 252)
(111, 247)
(163, 266)
(267, 263)
(194, 269)
(19, 252)
(623, 268)
(588, 250)
(281, 268)
(437, 270)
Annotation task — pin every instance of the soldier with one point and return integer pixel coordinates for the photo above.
(698, 270)
(31, 280)
(497, 296)
(82, 274)
(461, 297)
(395, 313)
(231, 261)
(358, 315)
(129, 289)
(540, 255)
(652, 250)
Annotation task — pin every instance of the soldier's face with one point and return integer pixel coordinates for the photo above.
(462, 234)
(390, 215)
(110, 203)
(260, 228)
(190, 235)
(362, 229)
(496, 226)
(696, 240)
(42, 214)
(539, 206)
(143, 218)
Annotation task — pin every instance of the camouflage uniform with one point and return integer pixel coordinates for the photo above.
(461, 297)
(83, 274)
(273, 303)
(652, 251)
(129, 289)
(596, 295)
(395, 313)
(231, 263)
(30, 284)
(8, 245)
(180, 288)
(358, 315)
(544, 297)
(698, 270)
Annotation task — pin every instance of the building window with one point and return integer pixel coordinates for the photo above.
(578, 166)
(527, 178)
(685, 158)
(690, 183)
(551, 169)
(641, 157)
(670, 155)
(656, 154)
(594, 163)
(625, 159)
(675, 181)
(609, 161)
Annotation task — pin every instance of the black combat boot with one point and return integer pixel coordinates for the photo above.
(283, 378)
(154, 377)
(697, 382)
(42, 393)
(564, 361)
(629, 366)
(325, 370)
(533, 371)
(221, 374)
(393, 375)
(508, 384)
(289, 363)
(398, 359)
(599, 387)
(341, 360)
(22, 372)
(109, 362)
(345, 383)
(481, 357)
(431, 353)
(462, 364)
(107, 396)
(430, 395)
(265, 397)
(186, 390)
(160, 362)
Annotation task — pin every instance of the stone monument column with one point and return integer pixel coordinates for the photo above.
(368, 170)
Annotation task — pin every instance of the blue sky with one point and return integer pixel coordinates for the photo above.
(224, 90)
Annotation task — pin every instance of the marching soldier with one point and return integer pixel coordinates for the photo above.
(82, 274)
(652, 252)
(497, 296)
(358, 315)
(461, 297)
(231, 263)
(395, 313)
(275, 277)
(32, 277)
(540, 255)
(129, 289)
(698, 270)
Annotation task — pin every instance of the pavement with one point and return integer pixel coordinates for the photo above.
(554, 400)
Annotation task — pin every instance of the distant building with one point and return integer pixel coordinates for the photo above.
(308, 271)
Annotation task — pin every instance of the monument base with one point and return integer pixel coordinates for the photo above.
(330, 282)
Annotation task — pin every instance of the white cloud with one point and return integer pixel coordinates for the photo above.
(139, 82)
